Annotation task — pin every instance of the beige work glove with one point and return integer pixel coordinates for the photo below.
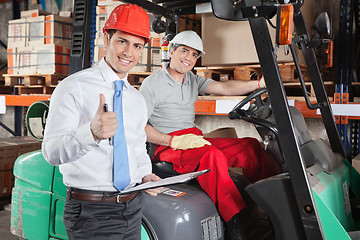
(188, 141)
(261, 82)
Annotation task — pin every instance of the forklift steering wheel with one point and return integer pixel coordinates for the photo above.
(239, 113)
(257, 113)
(260, 114)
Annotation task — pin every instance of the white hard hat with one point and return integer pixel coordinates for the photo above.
(190, 39)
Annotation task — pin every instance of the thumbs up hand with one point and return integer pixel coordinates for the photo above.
(104, 124)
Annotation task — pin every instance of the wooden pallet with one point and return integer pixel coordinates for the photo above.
(221, 73)
(33, 79)
(294, 88)
(35, 89)
(288, 72)
(136, 78)
(6, 89)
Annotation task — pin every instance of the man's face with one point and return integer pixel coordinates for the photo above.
(183, 59)
(123, 51)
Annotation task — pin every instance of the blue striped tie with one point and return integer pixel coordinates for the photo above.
(121, 163)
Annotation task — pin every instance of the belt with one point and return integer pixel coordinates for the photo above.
(93, 197)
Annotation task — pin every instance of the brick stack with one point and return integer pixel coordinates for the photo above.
(10, 150)
(39, 43)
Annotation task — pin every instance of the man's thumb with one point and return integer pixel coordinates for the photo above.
(102, 102)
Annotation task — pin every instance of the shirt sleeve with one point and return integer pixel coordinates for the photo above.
(202, 82)
(148, 93)
(143, 160)
(66, 139)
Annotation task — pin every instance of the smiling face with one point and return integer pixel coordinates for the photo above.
(183, 59)
(123, 51)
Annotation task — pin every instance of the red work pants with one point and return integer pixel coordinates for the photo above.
(221, 154)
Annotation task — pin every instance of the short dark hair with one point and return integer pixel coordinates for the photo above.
(111, 32)
(176, 46)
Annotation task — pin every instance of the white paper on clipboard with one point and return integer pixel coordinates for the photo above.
(166, 181)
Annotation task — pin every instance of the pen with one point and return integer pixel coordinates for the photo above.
(105, 110)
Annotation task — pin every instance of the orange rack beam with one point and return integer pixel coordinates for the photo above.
(202, 105)
(24, 100)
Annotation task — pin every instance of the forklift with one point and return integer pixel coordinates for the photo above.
(316, 195)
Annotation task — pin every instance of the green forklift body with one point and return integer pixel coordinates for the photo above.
(332, 199)
(38, 200)
(57, 227)
(31, 196)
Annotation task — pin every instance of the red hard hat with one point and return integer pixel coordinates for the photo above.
(131, 19)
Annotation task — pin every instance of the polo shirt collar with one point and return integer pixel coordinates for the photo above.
(172, 81)
(109, 76)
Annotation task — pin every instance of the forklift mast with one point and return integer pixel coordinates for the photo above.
(81, 35)
(256, 12)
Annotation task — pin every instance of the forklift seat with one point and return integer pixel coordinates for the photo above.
(314, 151)
(161, 168)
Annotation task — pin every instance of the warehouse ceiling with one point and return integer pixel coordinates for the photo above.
(168, 8)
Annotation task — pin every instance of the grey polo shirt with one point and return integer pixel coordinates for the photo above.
(170, 103)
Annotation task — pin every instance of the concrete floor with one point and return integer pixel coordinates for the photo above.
(5, 224)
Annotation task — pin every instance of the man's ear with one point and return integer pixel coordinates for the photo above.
(171, 51)
(106, 39)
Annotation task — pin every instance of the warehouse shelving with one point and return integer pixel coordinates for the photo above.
(205, 105)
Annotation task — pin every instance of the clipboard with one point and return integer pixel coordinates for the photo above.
(166, 181)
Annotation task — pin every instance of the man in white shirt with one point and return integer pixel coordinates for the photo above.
(78, 132)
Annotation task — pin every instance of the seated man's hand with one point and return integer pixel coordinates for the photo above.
(261, 83)
(188, 141)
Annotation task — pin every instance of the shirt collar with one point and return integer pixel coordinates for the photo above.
(109, 75)
(172, 81)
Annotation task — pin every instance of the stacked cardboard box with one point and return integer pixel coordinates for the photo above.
(33, 13)
(39, 38)
(234, 41)
(103, 11)
(356, 163)
(155, 51)
(10, 149)
(99, 50)
(107, 2)
(143, 65)
(190, 22)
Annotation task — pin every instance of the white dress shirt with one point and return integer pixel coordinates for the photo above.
(68, 140)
